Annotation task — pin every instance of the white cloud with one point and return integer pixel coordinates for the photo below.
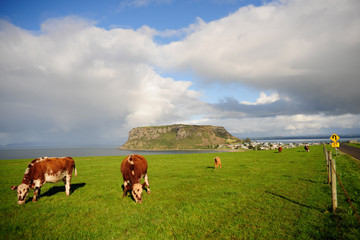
(74, 79)
(160, 100)
(180, 33)
(294, 125)
(305, 51)
(264, 99)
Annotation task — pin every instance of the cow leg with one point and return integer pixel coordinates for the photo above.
(146, 178)
(38, 184)
(37, 191)
(127, 188)
(67, 182)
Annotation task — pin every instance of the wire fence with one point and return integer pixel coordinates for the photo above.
(333, 177)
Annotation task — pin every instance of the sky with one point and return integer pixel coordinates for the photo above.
(87, 72)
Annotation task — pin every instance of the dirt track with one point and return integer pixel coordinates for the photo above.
(352, 151)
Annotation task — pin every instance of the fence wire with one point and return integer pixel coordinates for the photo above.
(342, 186)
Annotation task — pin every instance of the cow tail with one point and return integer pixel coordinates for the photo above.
(75, 171)
(130, 160)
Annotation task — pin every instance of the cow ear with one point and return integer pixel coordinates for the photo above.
(14, 187)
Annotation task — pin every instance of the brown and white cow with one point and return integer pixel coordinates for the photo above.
(42, 170)
(217, 162)
(307, 148)
(133, 168)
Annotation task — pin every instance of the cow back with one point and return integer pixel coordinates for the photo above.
(133, 167)
(41, 166)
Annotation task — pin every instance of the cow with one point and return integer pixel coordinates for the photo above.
(280, 149)
(217, 162)
(133, 168)
(42, 170)
(307, 148)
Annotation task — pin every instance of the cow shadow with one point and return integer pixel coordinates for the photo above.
(56, 189)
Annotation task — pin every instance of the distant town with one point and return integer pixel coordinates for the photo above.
(273, 144)
(264, 145)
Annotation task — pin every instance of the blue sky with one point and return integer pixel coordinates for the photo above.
(86, 72)
(124, 14)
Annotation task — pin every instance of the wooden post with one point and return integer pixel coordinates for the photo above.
(327, 154)
(333, 183)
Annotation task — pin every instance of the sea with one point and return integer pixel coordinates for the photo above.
(84, 151)
(26, 152)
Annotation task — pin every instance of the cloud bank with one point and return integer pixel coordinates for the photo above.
(78, 81)
(306, 52)
(75, 83)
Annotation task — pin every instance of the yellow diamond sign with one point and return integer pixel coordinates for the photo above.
(335, 144)
(334, 137)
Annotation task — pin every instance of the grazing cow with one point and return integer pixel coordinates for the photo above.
(307, 148)
(42, 170)
(217, 162)
(280, 149)
(133, 168)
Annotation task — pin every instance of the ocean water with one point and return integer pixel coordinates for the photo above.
(36, 152)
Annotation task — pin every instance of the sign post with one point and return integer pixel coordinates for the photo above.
(335, 144)
(334, 138)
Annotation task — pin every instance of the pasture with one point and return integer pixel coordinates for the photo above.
(255, 195)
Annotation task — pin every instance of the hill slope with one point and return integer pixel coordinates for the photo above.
(177, 137)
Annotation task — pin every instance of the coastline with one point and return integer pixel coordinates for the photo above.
(183, 150)
(32, 152)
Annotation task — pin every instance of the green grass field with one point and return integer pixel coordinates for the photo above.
(354, 144)
(256, 195)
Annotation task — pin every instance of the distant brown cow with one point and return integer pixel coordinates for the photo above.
(42, 170)
(217, 162)
(307, 148)
(280, 149)
(133, 168)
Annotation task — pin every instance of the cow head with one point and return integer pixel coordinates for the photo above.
(136, 192)
(22, 192)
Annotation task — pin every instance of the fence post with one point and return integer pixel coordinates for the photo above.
(333, 182)
(328, 166)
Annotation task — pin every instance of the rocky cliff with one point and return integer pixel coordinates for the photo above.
(177, 137)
